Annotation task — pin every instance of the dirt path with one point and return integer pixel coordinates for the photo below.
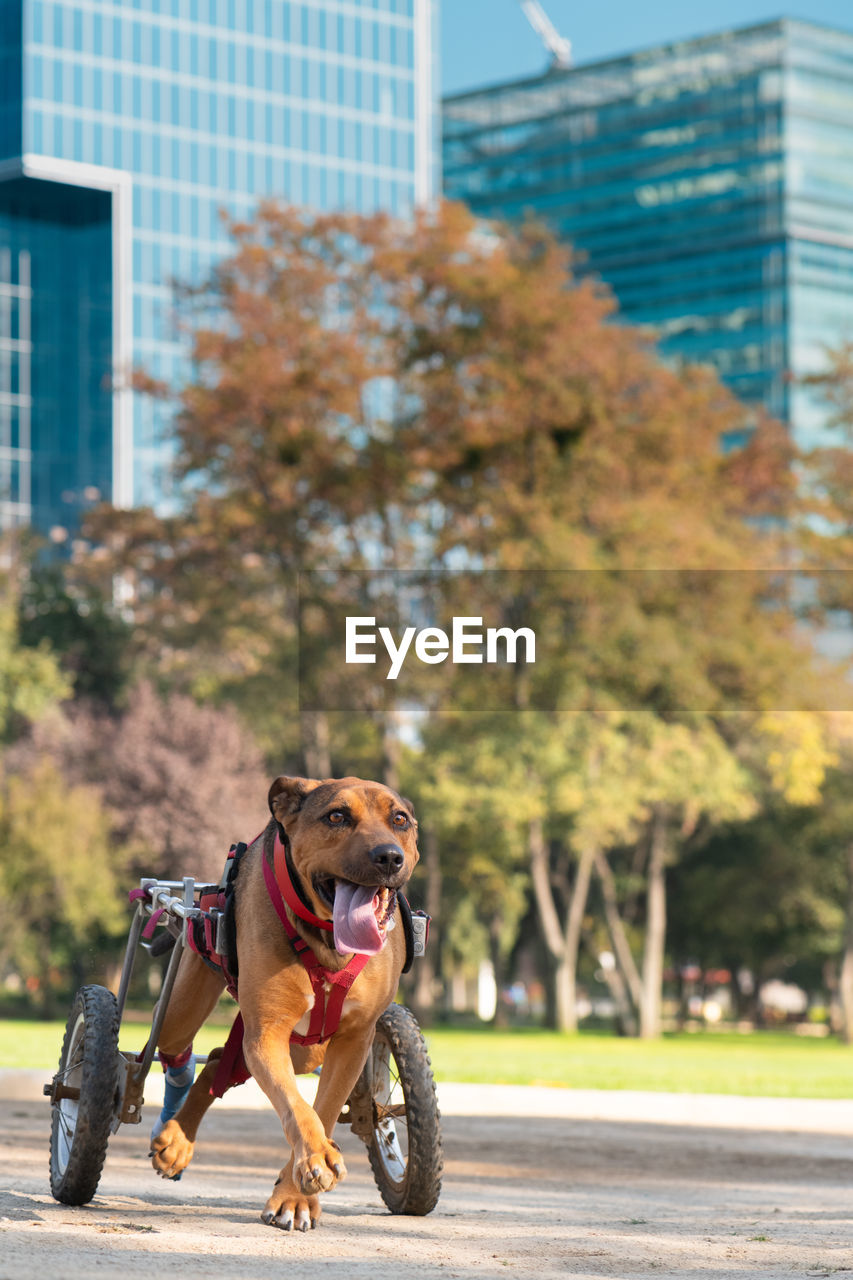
(531, 1198)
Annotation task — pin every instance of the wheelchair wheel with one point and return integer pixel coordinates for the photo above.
(85, 1096)
(404, 1147)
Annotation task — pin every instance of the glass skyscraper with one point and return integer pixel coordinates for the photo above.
(126, 127)
(709, 183)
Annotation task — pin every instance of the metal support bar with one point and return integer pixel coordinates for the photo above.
(159, 896)
(129, 957)
(144, 1066)
(189, 896)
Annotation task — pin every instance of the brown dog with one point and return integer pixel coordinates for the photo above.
(346, 837)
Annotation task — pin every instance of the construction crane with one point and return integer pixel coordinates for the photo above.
(558, 46)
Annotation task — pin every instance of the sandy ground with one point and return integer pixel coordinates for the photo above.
(583, 1184)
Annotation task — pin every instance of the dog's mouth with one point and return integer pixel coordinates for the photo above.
(361, 914)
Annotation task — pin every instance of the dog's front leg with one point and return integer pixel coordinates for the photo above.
(316, 1163)
(342, 1065)
(288, 1207)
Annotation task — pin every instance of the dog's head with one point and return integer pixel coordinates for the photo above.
(353, 844)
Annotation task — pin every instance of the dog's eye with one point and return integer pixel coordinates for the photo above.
(400, 819)
(336, 818)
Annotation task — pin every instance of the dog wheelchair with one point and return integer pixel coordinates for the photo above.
(393, 1107)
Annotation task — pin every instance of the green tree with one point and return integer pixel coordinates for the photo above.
(59, 880)
(31, 682)
(766, 896)
(470, 813)
(89, 639)
(826, 556)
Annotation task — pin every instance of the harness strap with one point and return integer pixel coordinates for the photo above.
(232, 1067)
(201, 936)
(330, 986)
(148, 931)
(288, 890)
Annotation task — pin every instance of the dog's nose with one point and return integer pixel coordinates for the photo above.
(387, 857)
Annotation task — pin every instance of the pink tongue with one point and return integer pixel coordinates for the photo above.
(355, 919)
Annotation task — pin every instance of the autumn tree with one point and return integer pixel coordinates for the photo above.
(178, 781)
(436, 395)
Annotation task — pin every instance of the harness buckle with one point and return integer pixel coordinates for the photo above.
(420, 932)
(220, 943)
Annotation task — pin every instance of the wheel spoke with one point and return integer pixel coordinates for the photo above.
(390, 1120)
(405, 1146)
(62, 1075)
(391, 1112)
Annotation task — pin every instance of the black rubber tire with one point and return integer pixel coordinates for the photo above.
(398, 1072)
(80, 1128)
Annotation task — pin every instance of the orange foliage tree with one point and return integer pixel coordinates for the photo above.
(377, 395)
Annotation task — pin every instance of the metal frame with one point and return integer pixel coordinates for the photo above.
(181, 909)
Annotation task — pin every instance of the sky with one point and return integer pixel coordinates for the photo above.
(484, 41)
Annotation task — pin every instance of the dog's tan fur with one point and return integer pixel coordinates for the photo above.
(275, 992)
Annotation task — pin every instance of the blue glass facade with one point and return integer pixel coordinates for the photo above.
(168, 113)
(709, 182)
(58, 424)
(11, 70)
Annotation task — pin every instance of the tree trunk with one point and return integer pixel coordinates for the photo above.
(653, 951)
(626, 1017)
(561, 946)
(626, 1022)
(571, 946)
(549, 920)
(391, 749)
(316, 744)
(565, 995)
(845, 982)
(618, 937)
(499, 968)
(743, 1003)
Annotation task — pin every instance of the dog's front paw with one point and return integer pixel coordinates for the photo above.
(171, 1150)
(319, 1170)
(288, 1210)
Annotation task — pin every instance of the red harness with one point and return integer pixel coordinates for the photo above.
(205, 945)
(330, 986)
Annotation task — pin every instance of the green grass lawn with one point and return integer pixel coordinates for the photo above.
(762, 1064)
(765, 1063)
(37, 1044)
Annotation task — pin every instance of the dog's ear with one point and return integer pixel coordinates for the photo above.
(287, 795)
